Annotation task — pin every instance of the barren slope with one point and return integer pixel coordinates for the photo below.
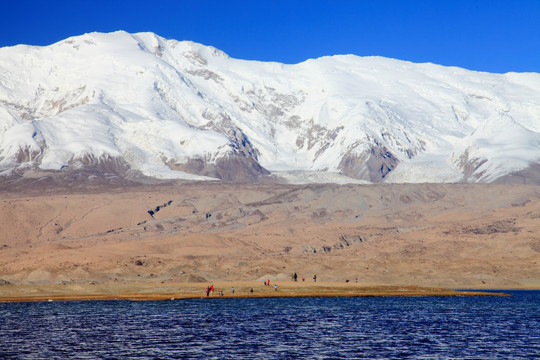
(481, 235)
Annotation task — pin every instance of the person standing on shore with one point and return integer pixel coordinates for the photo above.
(275, 287)
(315, 278)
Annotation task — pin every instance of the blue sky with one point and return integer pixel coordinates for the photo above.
(485, 35)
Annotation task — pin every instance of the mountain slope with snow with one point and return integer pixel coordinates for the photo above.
(140, 104)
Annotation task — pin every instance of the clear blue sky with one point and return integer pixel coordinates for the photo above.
(485, 35)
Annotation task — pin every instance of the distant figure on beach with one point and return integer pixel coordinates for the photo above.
(220, 293)
(303, 279)
(295, 277)
(212, 289)
(315, 278)
(275, 287)
(268, 282)
(232, 291)
(207, 290)
(251, 291)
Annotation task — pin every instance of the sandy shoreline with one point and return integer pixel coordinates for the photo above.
(242, 289)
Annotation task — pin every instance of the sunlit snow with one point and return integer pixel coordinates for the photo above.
(152, 101)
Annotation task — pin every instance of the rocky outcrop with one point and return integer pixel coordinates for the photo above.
(372, 166)
(230, 168)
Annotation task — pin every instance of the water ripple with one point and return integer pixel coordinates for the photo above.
(314, 328)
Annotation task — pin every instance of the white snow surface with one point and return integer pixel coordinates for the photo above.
(152, 102)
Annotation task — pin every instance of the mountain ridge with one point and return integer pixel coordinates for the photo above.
(138, 104)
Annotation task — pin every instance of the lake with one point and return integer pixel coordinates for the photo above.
(276, 328)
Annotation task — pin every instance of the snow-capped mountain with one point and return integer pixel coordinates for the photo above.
(138, 103)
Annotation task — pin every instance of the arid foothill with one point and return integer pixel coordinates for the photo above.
(437, 235)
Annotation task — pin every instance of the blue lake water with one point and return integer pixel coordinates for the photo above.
(288, 328)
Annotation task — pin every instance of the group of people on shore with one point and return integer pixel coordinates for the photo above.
(295, 277)
(267, 283)
(210, 291)
(210, 288)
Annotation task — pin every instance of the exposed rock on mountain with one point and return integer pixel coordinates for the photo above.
(132, 105)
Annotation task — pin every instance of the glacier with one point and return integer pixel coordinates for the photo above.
(128, 104)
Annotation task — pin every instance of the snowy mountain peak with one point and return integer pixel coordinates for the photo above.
(140, 104)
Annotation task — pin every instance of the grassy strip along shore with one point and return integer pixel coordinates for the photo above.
(242, 289)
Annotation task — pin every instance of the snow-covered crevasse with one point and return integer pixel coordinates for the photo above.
(173, 109)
